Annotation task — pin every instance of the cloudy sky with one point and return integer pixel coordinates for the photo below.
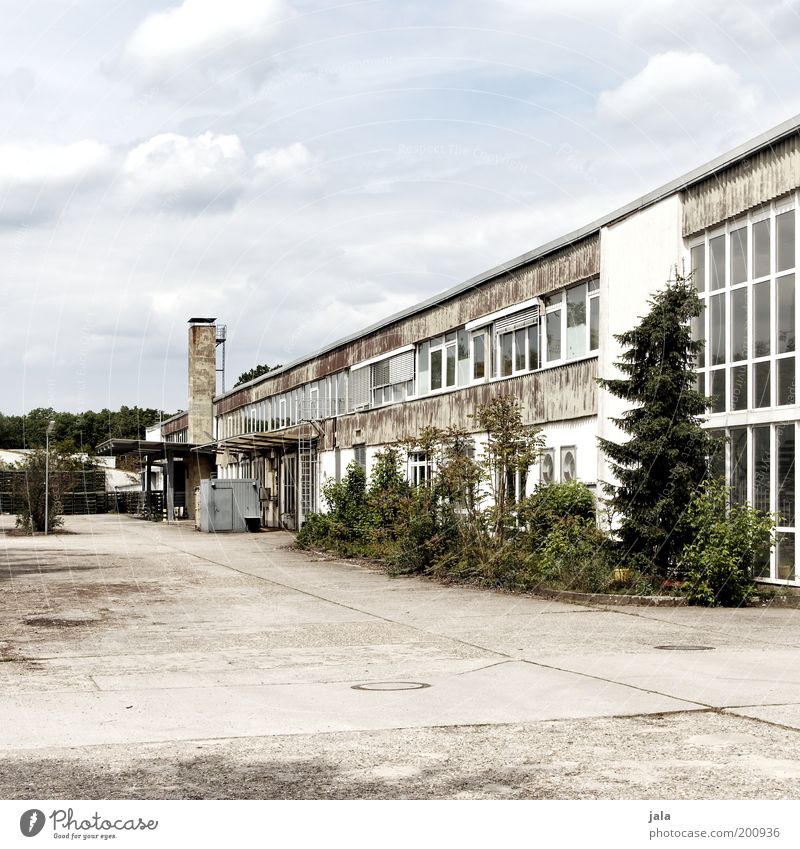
(300, 169)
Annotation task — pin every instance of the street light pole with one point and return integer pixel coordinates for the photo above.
(50, 428)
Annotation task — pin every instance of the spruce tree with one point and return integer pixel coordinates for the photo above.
(666, 457)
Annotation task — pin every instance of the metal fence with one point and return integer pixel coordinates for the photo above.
(86, 493)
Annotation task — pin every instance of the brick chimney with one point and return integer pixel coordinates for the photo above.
(202, 378)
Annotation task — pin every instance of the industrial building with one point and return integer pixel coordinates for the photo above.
(539, 327)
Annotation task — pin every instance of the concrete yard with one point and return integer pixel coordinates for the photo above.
(143, 660)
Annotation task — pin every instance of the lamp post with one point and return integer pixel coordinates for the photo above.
(50, 428)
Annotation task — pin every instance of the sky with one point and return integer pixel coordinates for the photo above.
(302, 169)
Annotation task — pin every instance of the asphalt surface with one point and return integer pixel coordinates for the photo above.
(142, 660)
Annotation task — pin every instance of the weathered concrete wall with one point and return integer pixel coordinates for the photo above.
(198, 467)
(558, 394)
(202, 382)
(765, 176)
(569, 265)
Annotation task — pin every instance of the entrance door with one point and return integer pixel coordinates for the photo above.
(221, 517)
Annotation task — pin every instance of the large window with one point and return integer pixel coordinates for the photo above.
(745, 276)
(761, 463)
(419, 468)
(572, 322)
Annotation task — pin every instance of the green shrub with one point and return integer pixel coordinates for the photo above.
(553, 502)
(728, 542)
(575, 555)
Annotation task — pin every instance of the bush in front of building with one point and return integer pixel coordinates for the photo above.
(364, 518)
(551, 503)
(729, 542)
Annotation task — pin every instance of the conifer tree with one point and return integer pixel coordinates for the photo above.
(666, 457)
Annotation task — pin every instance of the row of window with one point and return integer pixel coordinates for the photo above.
(420, 468)
(566, 327)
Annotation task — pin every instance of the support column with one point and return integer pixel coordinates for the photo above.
(170, 486)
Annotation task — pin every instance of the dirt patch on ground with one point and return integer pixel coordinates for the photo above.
(695, 755)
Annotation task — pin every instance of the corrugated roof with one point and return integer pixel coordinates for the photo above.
(703, 172)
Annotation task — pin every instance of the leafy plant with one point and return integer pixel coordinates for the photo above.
(729, 541)
(31, 486)
(551, 503)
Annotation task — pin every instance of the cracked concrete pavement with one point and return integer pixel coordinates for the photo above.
(149, 660)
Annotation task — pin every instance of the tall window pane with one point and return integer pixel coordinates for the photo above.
(761, 468)
(554, 335)
(699, 267)
(761, 333)
(739, 388)
(520, 344)
(506, 361)
(785, 504)
(761, 264)
(594, 324)
(718, 390)
(785, 316)
(784, 557)
(786, 390)
(436, 369)
(576, 321)
(463, 358)
(699, 334)
(478, 357)
(717, 262)
(451, 365)
(784, 232)
(717, 330)
(739, 256)
(533, 347)
(739, 324)
(739, 465)
(424, 368)
(761, 384)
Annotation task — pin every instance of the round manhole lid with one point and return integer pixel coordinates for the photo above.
(390, 686)
(685, 648)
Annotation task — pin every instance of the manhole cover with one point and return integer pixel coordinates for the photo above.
(685, 648)
(391, 685)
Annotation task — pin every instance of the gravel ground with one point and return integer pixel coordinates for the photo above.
(698, 755)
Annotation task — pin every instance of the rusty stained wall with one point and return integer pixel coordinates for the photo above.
(557, 394)
(571, 264)
(174, 425)
(765, 176)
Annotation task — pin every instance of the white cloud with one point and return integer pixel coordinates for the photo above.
(280, 161)
(186, 38)
(681, 94)
(185, 173)
(36, 180)
(197, 173)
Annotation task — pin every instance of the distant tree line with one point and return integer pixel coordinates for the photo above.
(253, 373)
(82, 431)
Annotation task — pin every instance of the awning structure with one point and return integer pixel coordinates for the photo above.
(172, 457)
(287, 437)
(144, 447)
